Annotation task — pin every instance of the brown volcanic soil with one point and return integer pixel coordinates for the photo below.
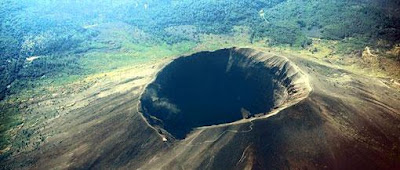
(348, 121)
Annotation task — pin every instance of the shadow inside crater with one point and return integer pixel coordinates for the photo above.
(208, 88)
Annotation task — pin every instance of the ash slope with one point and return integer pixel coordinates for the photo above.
(348, 121)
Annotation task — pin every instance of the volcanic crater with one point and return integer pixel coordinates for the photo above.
(219, 87)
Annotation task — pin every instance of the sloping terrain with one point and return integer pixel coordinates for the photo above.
(348, 121)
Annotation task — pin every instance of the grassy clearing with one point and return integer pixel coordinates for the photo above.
(8, 119)
(131, 54)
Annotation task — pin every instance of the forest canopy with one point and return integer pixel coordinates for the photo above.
(60, 31)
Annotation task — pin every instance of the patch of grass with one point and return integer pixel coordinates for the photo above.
(8, 120)
(350, 45)
(214, 41)
(131, 54)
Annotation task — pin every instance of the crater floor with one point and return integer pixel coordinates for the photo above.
(223, 86)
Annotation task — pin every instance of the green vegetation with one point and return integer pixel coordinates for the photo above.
(333, 20)
(7, 122)
(95, 62)
(28, 30)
